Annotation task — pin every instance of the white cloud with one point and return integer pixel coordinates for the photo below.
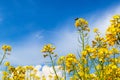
(46, 71)
(38, 67)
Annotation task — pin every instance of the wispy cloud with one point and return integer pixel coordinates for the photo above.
(27, 51)
(66, 42)
(102, 21)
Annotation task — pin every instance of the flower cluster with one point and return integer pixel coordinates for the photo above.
(61, 60)
(49, 48)
(49, 51)
(71, 62)
(102, 58)
(20, 73)
(6, 48)
(81, 24)
(113, 31)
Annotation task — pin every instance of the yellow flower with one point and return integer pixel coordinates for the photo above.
(6, 48)
(9, 48)
(48, 48)
(95, 30)
(115, 51)
(81, 73)
(98, 66)
(5, 73)
(7, 63)
(70, 61)
(77, 23)
(84, 53)
(113, 31)
(114, 67)
(97, 38)
(61, 60)
(50, 76)
(116, 16)
(81, 23)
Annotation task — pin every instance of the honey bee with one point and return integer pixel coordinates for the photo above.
(76, 19)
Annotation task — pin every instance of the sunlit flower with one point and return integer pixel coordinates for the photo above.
(95, 30)
(7, 63)
(6, 48)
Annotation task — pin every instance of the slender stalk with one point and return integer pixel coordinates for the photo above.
(3, 57)
(64, 70)
(87, 64)
(77, 73)
(83, 44)
(114, 64)
(114, 58)
(27, 75)
(53, 66)
(81, 32)
(82, 39)
(30, 74)
(96, 68)
(102, 72)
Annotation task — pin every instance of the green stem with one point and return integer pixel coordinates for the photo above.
(3, 58)
(95, 66)
(87, 64)
(83, 44)
(30, 74)
(77, 72)
(102, 72)
(83, 41)
(78, 75)
(64, 71)
(114, 59)
(53, 66)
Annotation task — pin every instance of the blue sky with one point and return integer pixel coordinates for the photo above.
(27, 25)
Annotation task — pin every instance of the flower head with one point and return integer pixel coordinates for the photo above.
(7, 63)
(113, 31)
(95, 30)
(82, 24)
(6, 48)
(48, 48)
